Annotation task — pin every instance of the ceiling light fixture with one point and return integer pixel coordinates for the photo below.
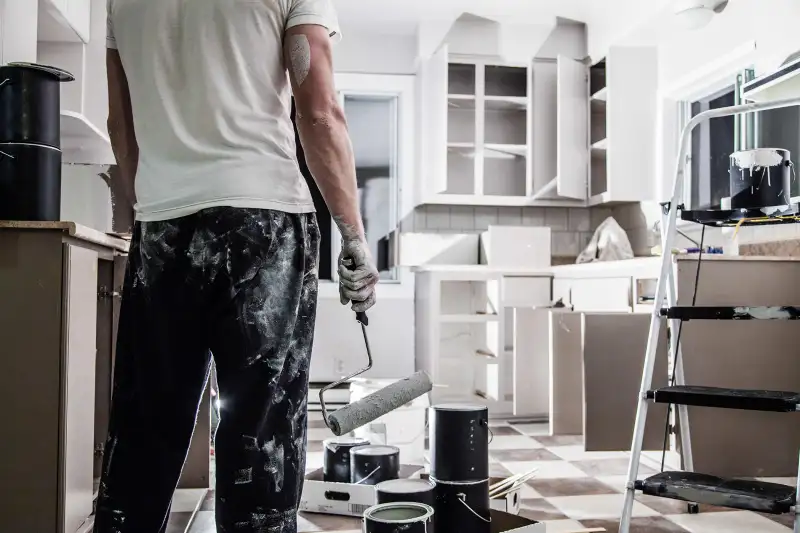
(696, 14)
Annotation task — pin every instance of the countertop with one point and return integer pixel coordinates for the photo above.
(73, 230)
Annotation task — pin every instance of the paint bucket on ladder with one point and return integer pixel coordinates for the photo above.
(459, 441)
(760, 178)
(398, 518)
(462, 507)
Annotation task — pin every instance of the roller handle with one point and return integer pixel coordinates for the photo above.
(361, 316)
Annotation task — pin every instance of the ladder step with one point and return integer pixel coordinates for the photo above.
(750, 400)
(743, 494)
(732, 313)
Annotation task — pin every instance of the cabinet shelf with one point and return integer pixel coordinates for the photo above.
(601, 95)
(496, 150)
(82, 142)
(601, 145)
(465, 101)
(58, 23)
(468, 318)
(783, 83)
(503, 103)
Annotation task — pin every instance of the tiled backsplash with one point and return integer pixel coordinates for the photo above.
(572, 227)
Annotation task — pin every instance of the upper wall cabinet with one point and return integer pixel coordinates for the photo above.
(64, 21)
(623, 90)
(478, 134)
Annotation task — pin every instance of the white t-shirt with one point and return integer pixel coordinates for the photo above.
(211, 101)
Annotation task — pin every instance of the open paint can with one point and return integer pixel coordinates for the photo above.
(760, 178)
(399, 518)
(406, 490)
(370, 465)
(459, 442)
(336, 458)
(462, 507)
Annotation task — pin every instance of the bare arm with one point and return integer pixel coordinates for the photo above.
(120, 123)
(329, 154)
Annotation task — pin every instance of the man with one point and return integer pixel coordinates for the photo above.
(223, 257)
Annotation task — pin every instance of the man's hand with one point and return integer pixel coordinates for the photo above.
(357, 275)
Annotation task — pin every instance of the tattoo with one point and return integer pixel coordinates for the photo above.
(300, 57)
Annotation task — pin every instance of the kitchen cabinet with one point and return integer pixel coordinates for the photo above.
(479, 128)
(84, 102)
(465, 331)
(64, 21)
(61, 286)
(623, 88)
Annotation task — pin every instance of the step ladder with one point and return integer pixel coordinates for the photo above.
(689, 486)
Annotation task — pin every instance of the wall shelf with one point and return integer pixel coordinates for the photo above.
(84, 143)
(601, 145)
(601, 95)
(468, 319)
(782, 84)
(63, 22)
(518, 150)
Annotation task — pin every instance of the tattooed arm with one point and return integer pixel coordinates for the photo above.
(329, 155)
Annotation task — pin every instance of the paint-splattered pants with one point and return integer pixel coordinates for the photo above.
(240, 284)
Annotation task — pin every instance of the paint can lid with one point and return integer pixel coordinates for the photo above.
(375, 449)
(399, 513)
(404, 486)
(460, 407)
(335, 443)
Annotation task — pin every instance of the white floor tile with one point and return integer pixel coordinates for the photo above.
(563, 526)
(617, 483)
(727, 522)
(546, 469)
(526, 492)
(577, 453)
(186, 500)
(513, 442)
(541, 429)
(607, 506)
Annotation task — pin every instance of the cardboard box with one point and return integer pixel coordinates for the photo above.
(344, 499)
(510, 503)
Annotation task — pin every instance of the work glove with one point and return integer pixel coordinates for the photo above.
(358, 275)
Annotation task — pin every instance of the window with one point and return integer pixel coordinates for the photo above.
(713, 141)
(373, 124)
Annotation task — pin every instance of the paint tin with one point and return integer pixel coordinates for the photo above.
(406, 490)
(336, 458)
(370, 465)
(459, 442)
(760, 178)
(462, 507)
(399, 518)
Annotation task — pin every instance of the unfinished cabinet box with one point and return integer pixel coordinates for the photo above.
(623, 90)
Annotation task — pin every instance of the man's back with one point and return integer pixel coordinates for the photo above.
(210, 99)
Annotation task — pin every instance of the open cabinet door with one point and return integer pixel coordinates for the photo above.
(432, 120)
(572, 125)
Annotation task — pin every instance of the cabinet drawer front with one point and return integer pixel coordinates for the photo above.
(526, 292)
(606, 294)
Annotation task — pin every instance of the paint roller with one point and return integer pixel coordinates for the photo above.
(377, 404)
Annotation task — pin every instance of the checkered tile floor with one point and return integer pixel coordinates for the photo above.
(572, 490)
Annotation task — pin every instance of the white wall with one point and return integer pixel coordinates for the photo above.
(85, 198)
(371, 52)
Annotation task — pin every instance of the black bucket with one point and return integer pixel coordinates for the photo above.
(406, 490)
(760, 178)
(370, 465)
(399, 518)
(462, 507)
(336, 458)
(459, 442)
(30, 182)
(30, 103)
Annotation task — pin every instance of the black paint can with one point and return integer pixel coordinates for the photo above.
(462, 507)
(30, 182)
(370, 465)
(30, 103)
(459, 442)
(406, 490)
(760, 178)
(399, 518)
(336, 458)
